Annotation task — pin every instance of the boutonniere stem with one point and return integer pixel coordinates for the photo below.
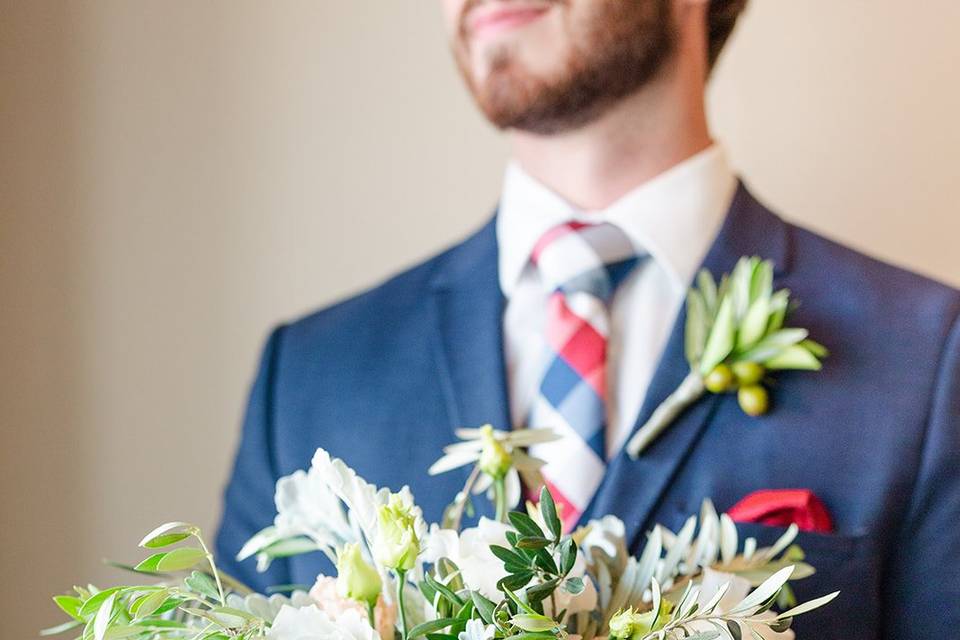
(734, 338)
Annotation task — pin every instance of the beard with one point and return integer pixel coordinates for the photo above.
(614, 50)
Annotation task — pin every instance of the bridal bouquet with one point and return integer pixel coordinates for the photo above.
(517, 577)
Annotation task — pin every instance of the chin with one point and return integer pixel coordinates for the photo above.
(528, 57)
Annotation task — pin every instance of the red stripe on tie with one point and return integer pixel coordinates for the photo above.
(552, 235)
(577, 342)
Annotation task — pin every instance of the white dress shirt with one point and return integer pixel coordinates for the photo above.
(674, 217)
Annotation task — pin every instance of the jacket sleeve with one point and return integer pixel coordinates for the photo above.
(249, 496)
(922, 589)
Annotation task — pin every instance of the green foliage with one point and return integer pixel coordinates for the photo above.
(194, 607)
(742, 321)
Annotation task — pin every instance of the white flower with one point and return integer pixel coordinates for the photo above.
(324, 594)
(476, 631)
(607, 535)
(739, 587)
(306, 506)
(496, 451)
(470, 551)
(310, 623)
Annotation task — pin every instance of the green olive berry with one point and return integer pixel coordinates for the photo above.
(753, 399)
(748, 373)
(719, 380)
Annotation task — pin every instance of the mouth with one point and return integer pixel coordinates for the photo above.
(495, 18)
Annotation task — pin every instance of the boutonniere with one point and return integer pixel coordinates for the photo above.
(734, 338)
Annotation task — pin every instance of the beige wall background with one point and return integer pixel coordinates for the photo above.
(176, 177)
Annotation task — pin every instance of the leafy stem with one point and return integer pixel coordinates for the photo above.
(401, 610)
(500, 498)
(213, 566)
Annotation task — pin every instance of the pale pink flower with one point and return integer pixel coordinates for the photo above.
(324, 593)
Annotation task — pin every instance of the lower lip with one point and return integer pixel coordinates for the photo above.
(501, 22)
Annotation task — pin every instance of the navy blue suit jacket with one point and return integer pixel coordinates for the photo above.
(382, 379)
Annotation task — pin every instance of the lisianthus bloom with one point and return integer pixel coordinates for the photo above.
(310, 623)
(325, 593)
(633, 625)
(495, 460)
(356, 579)
(397, 545)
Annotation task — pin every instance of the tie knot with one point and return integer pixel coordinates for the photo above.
(579, 257)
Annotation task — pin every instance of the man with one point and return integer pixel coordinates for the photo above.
(603, 104)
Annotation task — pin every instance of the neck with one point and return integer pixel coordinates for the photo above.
(639, 138)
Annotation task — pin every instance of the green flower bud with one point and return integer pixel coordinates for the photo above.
(397, 546)
(495, 460)
(753, 399)
(633, 625)
(356, 579)
(748, 372)
(719, 380)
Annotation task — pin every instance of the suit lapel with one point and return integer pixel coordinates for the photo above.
(632, 489)
(468, 307)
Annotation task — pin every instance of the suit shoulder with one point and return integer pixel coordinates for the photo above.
(872, 283)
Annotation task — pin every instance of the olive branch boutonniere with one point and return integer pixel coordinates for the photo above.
(733, 338)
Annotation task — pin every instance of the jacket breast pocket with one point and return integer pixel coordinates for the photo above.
(846, 563)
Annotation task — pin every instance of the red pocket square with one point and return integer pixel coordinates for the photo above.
(783, 507)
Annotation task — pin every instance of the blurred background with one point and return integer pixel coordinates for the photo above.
(177, 177)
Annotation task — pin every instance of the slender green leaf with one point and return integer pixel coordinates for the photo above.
(444, 590)
(696, 328)
(149, 564)
(721, 339)
(533, 622)
(70, 605)
(180, 559)
(61, 628)
(708, 290)
(103, 617)
(166, 540)
(508, 555)
(523, 523)
(773, 344)
(164, 529)
(203, 584)
(148, 604)
(92, 604)
(430, 626)
(765, 591)
(816, 603)
(548, 510)
(754, 324)
(484, 606)
(568, 555)
(734, 628)
(533, 542)
(793, 357)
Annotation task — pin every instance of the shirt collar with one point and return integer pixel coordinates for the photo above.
(674, 216)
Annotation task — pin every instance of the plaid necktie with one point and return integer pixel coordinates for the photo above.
(582, 265)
